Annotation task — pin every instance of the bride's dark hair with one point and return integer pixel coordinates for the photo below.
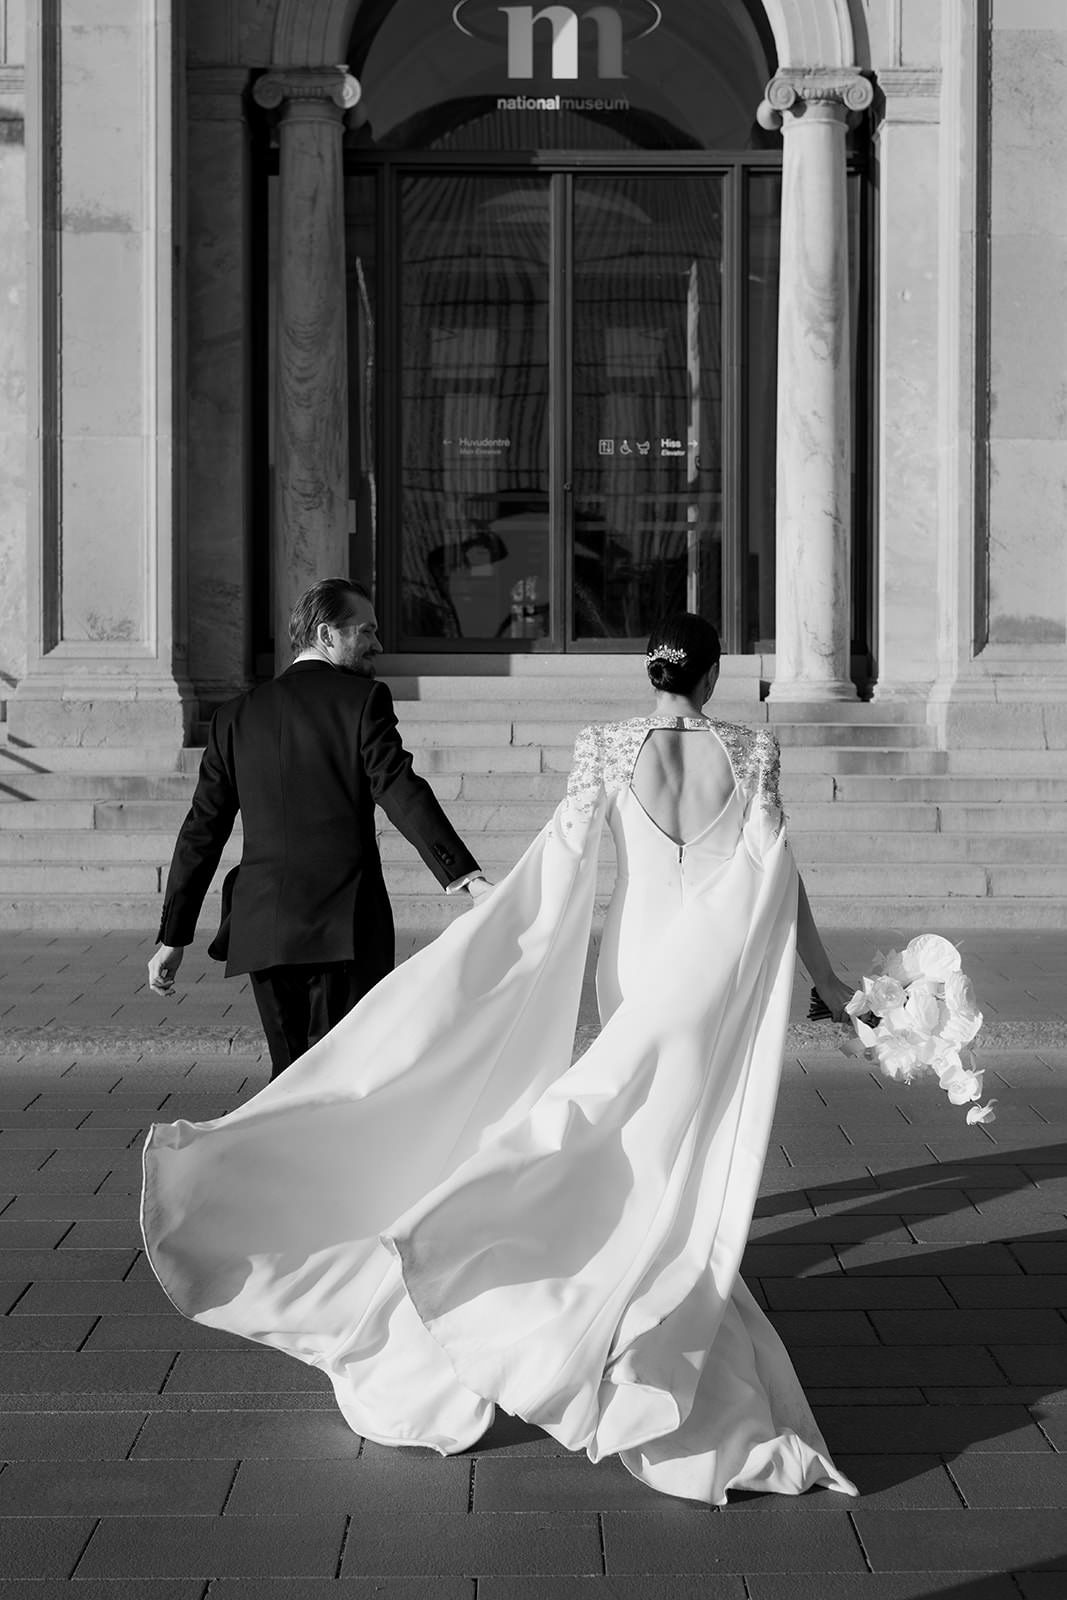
(681, 649)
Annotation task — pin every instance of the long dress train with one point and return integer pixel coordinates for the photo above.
(440, 1211)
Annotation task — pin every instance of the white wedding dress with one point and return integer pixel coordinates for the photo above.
(440, 1211)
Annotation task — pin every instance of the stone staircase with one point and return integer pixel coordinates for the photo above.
(890, 830)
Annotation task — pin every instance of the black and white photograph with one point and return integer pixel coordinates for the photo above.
(533, 800)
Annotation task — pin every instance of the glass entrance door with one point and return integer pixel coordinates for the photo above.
(560, 407)
(646, 417)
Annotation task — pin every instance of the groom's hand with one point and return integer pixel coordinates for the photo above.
(478, 888)
(162, 967)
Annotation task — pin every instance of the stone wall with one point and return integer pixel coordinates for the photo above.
(1028, 328)
(12, 345)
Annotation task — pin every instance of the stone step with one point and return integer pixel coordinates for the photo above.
(1029, 763)
(409, 876)
(1008, 789)
(476, 816)
(512, 774)
(44, 815)
(421, 914)
(499, 843)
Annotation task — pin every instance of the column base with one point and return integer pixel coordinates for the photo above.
(803, 689)
(98, 712)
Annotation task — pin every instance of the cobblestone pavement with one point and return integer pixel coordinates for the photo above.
(917, 1270)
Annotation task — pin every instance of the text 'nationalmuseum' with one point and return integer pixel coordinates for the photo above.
(560, 102)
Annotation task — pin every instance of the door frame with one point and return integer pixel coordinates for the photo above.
(388, 167)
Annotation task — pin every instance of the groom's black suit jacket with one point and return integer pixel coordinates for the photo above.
(305, 759)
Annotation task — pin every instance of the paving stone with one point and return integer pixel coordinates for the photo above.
(422, 1543)
(43, 1333)
(96, 1234)
(969, 1327)
(841, 1294)
(893, 1482)
(824, 1327)
(47, 1139)
(760, 1541)
(262, 1435)
(70, 1207)
(381, 1483)
(888, 1260)
(885, 1586)
(206, 1547)
(100, 1296)
(921, 1541)
(68, 1435)
(162, 1332)
(30, 1233)
(612, 1588)
(918, 1364)
(43, 1547)
(990, 1482)
(45, 1265)
(1040, 1585)
(249, 1370)
(862, 1394)
(1041, 1257)
(1034, 1363)
(114, 1488)
(789, 1261)
(545, 1483)
(890, 1202)
(339, 1589)
(1012, 1292)
(841, 1228)
(50, 1371)
(162, 1589)
(940, 1429)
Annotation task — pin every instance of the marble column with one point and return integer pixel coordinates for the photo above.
(105, 660)
(311, 350)
(814, 491)
(218, 382)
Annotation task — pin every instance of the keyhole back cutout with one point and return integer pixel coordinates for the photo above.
(682, 779)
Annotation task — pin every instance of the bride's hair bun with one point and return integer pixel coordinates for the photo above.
(680, 651)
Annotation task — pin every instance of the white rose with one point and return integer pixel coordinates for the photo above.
(922, 1007)
(965, 1086)
(964, 1018)
(930, 956)
(897, 1056)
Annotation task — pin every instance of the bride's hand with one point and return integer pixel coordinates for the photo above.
(835, 994)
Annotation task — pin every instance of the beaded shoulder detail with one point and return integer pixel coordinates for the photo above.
(605, 755)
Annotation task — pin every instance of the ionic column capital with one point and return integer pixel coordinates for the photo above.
(833, 92)
(330, 90)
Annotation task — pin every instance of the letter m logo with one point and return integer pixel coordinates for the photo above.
(564, 24)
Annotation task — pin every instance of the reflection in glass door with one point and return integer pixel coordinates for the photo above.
(561, 455)
(475, 396)
(647, 413)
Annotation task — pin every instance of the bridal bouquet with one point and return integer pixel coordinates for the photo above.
(925, 1017)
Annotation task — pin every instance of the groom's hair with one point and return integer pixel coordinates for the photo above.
(326, 601)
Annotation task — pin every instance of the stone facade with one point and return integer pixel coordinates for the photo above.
(129, 527)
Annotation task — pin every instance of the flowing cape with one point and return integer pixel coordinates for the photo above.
(443, 1213)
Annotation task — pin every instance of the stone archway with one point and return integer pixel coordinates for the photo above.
(807, 33)
(817, 90)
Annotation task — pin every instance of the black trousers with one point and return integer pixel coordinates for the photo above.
(299, 1005)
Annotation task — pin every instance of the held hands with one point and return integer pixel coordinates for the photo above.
(162, 967)
(835, 994)
(478, 888)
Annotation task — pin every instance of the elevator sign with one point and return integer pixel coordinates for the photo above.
(546, 41)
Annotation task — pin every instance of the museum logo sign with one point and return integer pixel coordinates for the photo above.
(546, 41)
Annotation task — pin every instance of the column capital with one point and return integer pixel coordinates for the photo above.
(332, 88)
(795, 90)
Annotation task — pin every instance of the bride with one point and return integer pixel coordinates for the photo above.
(444, 1214)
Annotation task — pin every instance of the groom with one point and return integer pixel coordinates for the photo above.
(305, 759)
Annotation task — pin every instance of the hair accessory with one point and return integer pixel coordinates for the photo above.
(666, 652)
